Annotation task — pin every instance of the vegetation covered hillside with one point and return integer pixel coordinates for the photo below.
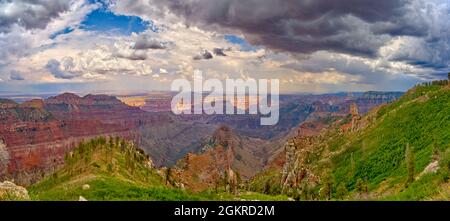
(399, 151)
(107, 169)
(113, 169)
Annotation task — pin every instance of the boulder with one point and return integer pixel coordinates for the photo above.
(10, 191)
(433, 167)
(86, 187)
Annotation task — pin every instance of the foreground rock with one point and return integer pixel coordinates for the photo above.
(10, 191)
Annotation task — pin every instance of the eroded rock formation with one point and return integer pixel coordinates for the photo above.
(224, 158)
(39, 133)
(4, 158)
(10, 191)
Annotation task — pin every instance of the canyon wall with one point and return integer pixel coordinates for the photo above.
(37, 134)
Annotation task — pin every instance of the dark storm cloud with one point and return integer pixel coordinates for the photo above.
(55, 69)
(219, 52)
(358, 27)
(427, 64)
(144, 42)
(204, 55)
(30, 14)
(134, 56)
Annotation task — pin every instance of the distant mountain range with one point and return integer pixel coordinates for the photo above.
(38, 133)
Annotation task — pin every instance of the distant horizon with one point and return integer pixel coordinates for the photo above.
(136, 93)
(24, 97)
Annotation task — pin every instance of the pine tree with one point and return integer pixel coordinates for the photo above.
(267, 187)
(341, 191)
(168, 175)
(360, 186)
(409, 156)
(238, 178)
(363, 150)
(216, 178)
(352, 164)
(436, 150)
(327, 187)
(225, 180)
(116, 141)
(109, 167)
(297, 194)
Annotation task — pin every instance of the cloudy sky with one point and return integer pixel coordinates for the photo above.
(311, 46)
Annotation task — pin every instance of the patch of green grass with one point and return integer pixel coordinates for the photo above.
(423, 189)
(267, 182)
(420, 119)
(251, 196)
(111, 189)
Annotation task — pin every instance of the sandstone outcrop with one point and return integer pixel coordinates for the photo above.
(4, 158)
(225, 157)
(10, 191)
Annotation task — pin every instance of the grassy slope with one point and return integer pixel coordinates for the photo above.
(421, 118)
(117, 171)
(375, 154)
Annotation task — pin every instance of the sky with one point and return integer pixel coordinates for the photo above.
(316, 46)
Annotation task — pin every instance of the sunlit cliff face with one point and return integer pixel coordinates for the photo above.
(241, 102)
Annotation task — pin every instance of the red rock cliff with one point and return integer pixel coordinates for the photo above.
(38, 133)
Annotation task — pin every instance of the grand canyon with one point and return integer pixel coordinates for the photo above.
(38, 133)
(224, 100)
